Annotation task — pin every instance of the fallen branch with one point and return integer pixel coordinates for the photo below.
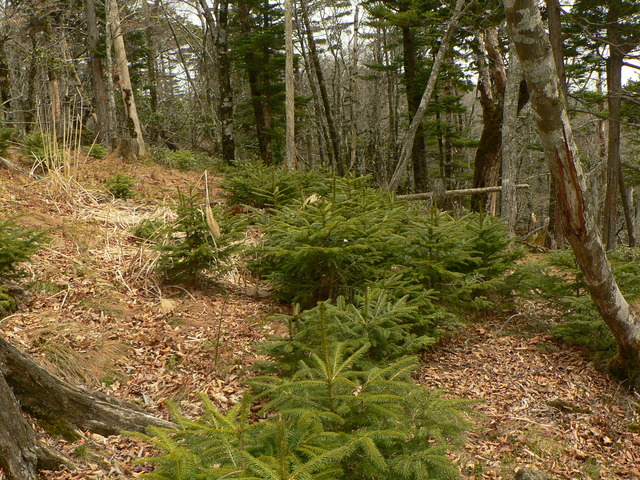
(455, 193)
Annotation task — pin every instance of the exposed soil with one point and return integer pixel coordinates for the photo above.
(96, 315)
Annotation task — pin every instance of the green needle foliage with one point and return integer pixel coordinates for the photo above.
(464, 259)
(557, 279)
(393, 328)
(257, 185)
(330, 246)
(337, 416)
(120, 186)
(191, 246)
(16, 246)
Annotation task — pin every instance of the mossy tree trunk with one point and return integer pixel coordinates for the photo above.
(25, 386)
(534, 50)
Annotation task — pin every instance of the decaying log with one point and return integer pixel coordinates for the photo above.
(49, 398)
(6, 164)
(21, 454)
(455, 193)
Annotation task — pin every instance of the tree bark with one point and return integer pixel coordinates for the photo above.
(407, 145)
(534, 50)
(103, 118)
(614, 100)
(134, 128)
(24, 385)
(491, 84)
(259, 94)
(5, 82)
(291, 160)
(508, 199)
(225, 109)
(334, 137)
(47, 397)
(414, 96)
(456, 193)
(21, 454)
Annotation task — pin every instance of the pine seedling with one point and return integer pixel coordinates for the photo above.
(190, 247)
(16, 246)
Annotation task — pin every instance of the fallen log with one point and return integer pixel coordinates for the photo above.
(24, 385)
(455, 193)
(6, 164)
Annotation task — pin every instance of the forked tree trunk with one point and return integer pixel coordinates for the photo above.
(26, 386)
(534, 51)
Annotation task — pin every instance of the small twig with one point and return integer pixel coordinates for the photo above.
(515, 315)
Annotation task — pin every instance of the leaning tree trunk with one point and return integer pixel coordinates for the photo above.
(534, 51)
(334, 136)
(138, 146)
(410, 136)
(24, 385)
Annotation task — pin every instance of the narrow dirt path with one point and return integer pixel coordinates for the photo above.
(542, 405)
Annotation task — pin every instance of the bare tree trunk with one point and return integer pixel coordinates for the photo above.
(291, 160)
(627, 204)
(334, 137)
(491, 84)
(508, 207)
(103, 118)
(618, 50)
(614, 86)
(407, 146)
(414, 96)
(155, 127)
(225, 110)
(138, 147)
(557, 44)
(5, 82)
(259, 95)
(534, 50)
(353, 86)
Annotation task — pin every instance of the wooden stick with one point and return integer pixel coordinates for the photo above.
(454, 193)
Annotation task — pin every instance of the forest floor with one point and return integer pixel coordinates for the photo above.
(96, 315)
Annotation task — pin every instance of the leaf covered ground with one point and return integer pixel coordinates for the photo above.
(95, 315)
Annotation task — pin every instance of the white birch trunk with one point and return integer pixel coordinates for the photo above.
(122, 67)
(534, 50)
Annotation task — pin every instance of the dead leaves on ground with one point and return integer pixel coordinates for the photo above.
(94, 318)
(543, 405)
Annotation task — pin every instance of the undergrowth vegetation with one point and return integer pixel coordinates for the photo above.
(16, 246)
(372, 282)
(557, 279)
(200, 240)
